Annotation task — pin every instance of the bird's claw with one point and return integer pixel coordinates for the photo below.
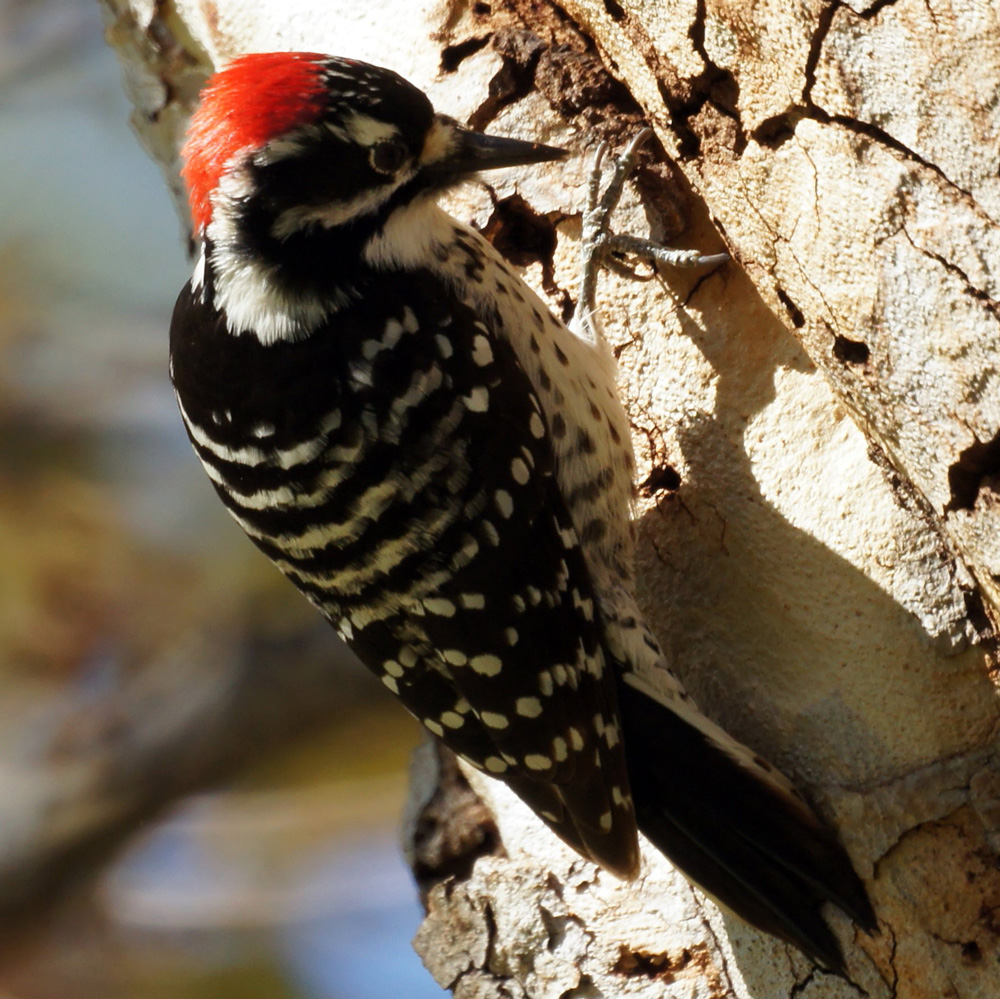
(598, 241)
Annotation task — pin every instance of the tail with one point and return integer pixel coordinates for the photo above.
(737, 829)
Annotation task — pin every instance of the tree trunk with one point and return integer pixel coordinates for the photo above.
(817, 426)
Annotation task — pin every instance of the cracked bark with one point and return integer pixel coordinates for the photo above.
(816, 426)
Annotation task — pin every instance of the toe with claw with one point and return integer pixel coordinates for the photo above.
(599, 241)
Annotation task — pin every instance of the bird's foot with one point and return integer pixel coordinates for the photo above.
(599, 242)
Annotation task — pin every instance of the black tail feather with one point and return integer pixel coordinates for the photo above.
(737, 833)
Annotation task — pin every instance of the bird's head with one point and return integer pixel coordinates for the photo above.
(292, 143)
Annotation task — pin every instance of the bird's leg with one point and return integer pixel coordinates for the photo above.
(598, 241)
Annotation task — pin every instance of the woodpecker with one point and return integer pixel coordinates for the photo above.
(444, 469)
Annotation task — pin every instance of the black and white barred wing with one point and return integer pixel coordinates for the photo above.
(499, 653)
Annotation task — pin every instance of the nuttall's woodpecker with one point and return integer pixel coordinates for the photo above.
(445, 470)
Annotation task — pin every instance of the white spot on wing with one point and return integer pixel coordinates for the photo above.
(519, 471)
(486, 664)
(528, 707)
(482, 353)
(478, 400)
(439, 606)
(493, 719)
(504, 503)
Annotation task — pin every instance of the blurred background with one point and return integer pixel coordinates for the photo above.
(153, 666)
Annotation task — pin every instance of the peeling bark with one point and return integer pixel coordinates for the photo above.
(817, 428)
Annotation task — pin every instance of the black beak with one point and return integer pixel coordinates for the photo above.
(473, 151)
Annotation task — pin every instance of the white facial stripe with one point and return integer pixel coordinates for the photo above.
(333, 213)
(336, 130)
(438, 143)
(366, 131)
(280, 149)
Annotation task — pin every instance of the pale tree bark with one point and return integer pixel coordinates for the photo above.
(818, 428)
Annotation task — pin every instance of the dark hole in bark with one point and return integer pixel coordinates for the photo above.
(652, 966)
(967, 476)
(615, 10)
(850, 351)
(663, 478)
(971, 952)
(454, 55)
(520, 233)
(794, 312)
(777, 130)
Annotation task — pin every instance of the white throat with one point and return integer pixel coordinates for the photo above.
(410, 237)
(253, 302)
(245, 290)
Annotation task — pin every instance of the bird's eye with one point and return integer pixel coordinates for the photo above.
(388, 156)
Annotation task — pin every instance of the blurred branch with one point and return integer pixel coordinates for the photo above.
(109, 763)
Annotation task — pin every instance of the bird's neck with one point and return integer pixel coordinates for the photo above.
(281, 290)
